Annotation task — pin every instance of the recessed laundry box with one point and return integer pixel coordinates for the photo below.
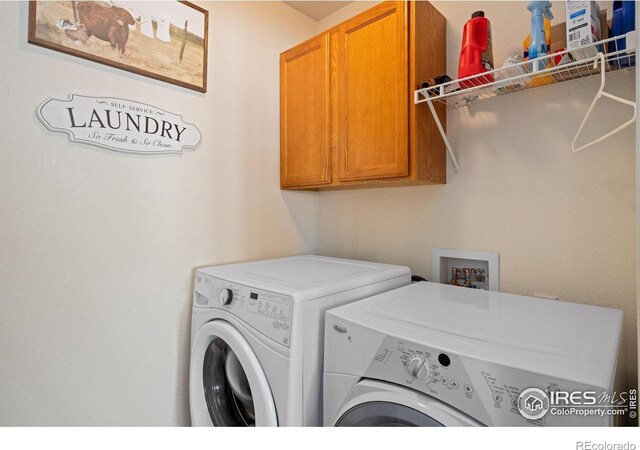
(257, 336)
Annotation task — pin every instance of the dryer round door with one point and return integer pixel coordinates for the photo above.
(377, 404)
(227, 386)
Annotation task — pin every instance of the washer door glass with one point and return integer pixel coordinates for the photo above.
(385, 414)
(226, 388)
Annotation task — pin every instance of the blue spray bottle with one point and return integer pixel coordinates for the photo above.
(538, 47)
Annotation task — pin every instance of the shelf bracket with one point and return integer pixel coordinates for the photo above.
(601, 59)
(456, 166)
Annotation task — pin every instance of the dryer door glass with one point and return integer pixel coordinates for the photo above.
(385, 414)
(226, 388)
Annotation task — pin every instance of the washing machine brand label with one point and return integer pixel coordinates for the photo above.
(534, 403)
(339, 328)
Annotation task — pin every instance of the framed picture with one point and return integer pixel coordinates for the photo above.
(162, 40)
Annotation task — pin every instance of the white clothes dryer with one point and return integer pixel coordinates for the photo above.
(430, 354)
(257, 334)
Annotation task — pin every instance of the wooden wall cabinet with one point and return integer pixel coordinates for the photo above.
(347, 117)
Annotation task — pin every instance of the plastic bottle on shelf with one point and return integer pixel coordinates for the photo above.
(622, 22)
(476, 55)
(538, 46)
(527, 41)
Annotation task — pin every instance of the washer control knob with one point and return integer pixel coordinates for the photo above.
(418, 367)
(225, 296)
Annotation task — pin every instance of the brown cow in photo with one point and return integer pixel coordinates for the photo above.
(109, 24)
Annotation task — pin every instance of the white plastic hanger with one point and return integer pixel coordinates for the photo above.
(600, 58)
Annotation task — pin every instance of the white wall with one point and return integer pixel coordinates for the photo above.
(563, 223)
(98, 249)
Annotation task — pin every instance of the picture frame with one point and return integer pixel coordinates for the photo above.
(167, 41)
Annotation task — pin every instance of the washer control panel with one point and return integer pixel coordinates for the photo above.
(265, 311)
(486, 391)
(269, 305)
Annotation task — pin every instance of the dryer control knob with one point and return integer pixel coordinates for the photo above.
(225, 296)
(418, 367)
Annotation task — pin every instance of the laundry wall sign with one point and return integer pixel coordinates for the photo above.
(118, 124)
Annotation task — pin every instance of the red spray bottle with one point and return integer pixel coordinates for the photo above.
(476, 56)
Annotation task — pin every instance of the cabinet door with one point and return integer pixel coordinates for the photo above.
(304, 114)
(373, 94)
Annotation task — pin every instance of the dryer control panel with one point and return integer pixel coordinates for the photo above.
(267, 312)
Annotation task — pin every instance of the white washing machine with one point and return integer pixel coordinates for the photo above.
(431, 354)
(257, 335)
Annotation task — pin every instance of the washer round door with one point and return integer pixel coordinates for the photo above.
(377, 404)
(227, 386)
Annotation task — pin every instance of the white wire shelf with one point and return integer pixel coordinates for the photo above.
(525, 75)
(599, 58)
